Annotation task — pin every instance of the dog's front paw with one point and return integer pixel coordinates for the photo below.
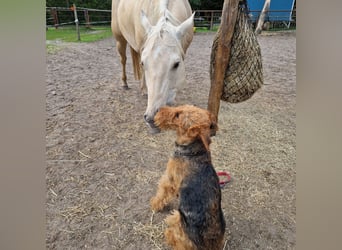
(156, 204)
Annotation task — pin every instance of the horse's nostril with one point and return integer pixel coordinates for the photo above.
(145, 118)
(148, 119)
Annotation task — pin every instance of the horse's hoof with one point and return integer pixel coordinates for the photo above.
(125, 87)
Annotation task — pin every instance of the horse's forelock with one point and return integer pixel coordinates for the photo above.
(168, 37)
(165, 32)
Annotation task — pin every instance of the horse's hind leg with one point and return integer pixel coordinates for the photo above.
(121, 45)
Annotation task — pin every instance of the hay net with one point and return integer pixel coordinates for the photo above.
(243, 75)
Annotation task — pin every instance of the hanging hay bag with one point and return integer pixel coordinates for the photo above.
(243, 75)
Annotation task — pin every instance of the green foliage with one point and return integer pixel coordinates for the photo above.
(107, 4)
(195, 4)
(93, 4)
(206, 4)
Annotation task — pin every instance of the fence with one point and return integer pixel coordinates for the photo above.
(207, 18)
(59, 16)
(276, 19)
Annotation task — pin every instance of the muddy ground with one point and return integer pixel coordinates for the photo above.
(103, 166)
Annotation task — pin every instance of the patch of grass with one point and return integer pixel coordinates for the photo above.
(204, 29)
(51, 48)
(69, 34)
(282, 29)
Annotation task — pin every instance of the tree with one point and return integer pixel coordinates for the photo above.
(195, 4)
(262, 16)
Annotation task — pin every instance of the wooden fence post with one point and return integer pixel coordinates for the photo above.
(55, 17)
(86, 16)
(226, 30)
(211, 20)
(76, 22)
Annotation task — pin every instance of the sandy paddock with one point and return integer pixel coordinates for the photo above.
(103, 166)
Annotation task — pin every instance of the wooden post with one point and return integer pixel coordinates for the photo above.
(211, 20)
(262, 16)
(226, 30)
(76, 22)
(55, 17)
(86, 16)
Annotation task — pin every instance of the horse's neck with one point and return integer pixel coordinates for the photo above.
(169, 17)
(163, 5)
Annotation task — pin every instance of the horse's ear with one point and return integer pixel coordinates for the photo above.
(145, 22)
(185, 26)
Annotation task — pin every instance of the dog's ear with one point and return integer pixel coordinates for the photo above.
(202, 133)
(205, 137)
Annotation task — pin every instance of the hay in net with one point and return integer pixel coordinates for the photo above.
(243, 75)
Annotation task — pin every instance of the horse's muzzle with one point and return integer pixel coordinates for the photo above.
(150, 123)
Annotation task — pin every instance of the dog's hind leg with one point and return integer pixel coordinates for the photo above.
(175, 235)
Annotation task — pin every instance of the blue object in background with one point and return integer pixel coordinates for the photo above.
(280, 10)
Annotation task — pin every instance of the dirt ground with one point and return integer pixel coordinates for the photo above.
(103, 166)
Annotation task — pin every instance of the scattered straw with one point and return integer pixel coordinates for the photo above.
(87, 156)
(152, 218)
(155, 232)
(53, 192)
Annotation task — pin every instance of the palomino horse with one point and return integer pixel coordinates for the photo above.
(158, 33)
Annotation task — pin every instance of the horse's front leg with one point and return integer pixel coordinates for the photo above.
(121, 45)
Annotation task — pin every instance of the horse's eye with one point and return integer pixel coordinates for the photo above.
(175, 66)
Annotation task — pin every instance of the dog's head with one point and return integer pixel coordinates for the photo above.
(189, 122)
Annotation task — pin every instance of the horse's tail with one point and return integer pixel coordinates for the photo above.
(136, 64)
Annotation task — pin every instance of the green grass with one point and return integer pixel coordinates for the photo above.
(204, 30)
(69, 34)
(281, 29)
(51, 49)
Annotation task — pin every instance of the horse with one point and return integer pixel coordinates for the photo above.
(158, 33)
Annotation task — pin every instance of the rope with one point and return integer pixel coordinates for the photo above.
(227, 178)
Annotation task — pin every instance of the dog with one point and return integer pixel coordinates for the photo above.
(198, 223)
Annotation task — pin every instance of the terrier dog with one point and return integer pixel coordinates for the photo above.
(198, 223)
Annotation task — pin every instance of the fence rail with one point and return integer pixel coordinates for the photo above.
(276, 18)
(60, 16)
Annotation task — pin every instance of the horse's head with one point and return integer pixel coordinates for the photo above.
(162, 61)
